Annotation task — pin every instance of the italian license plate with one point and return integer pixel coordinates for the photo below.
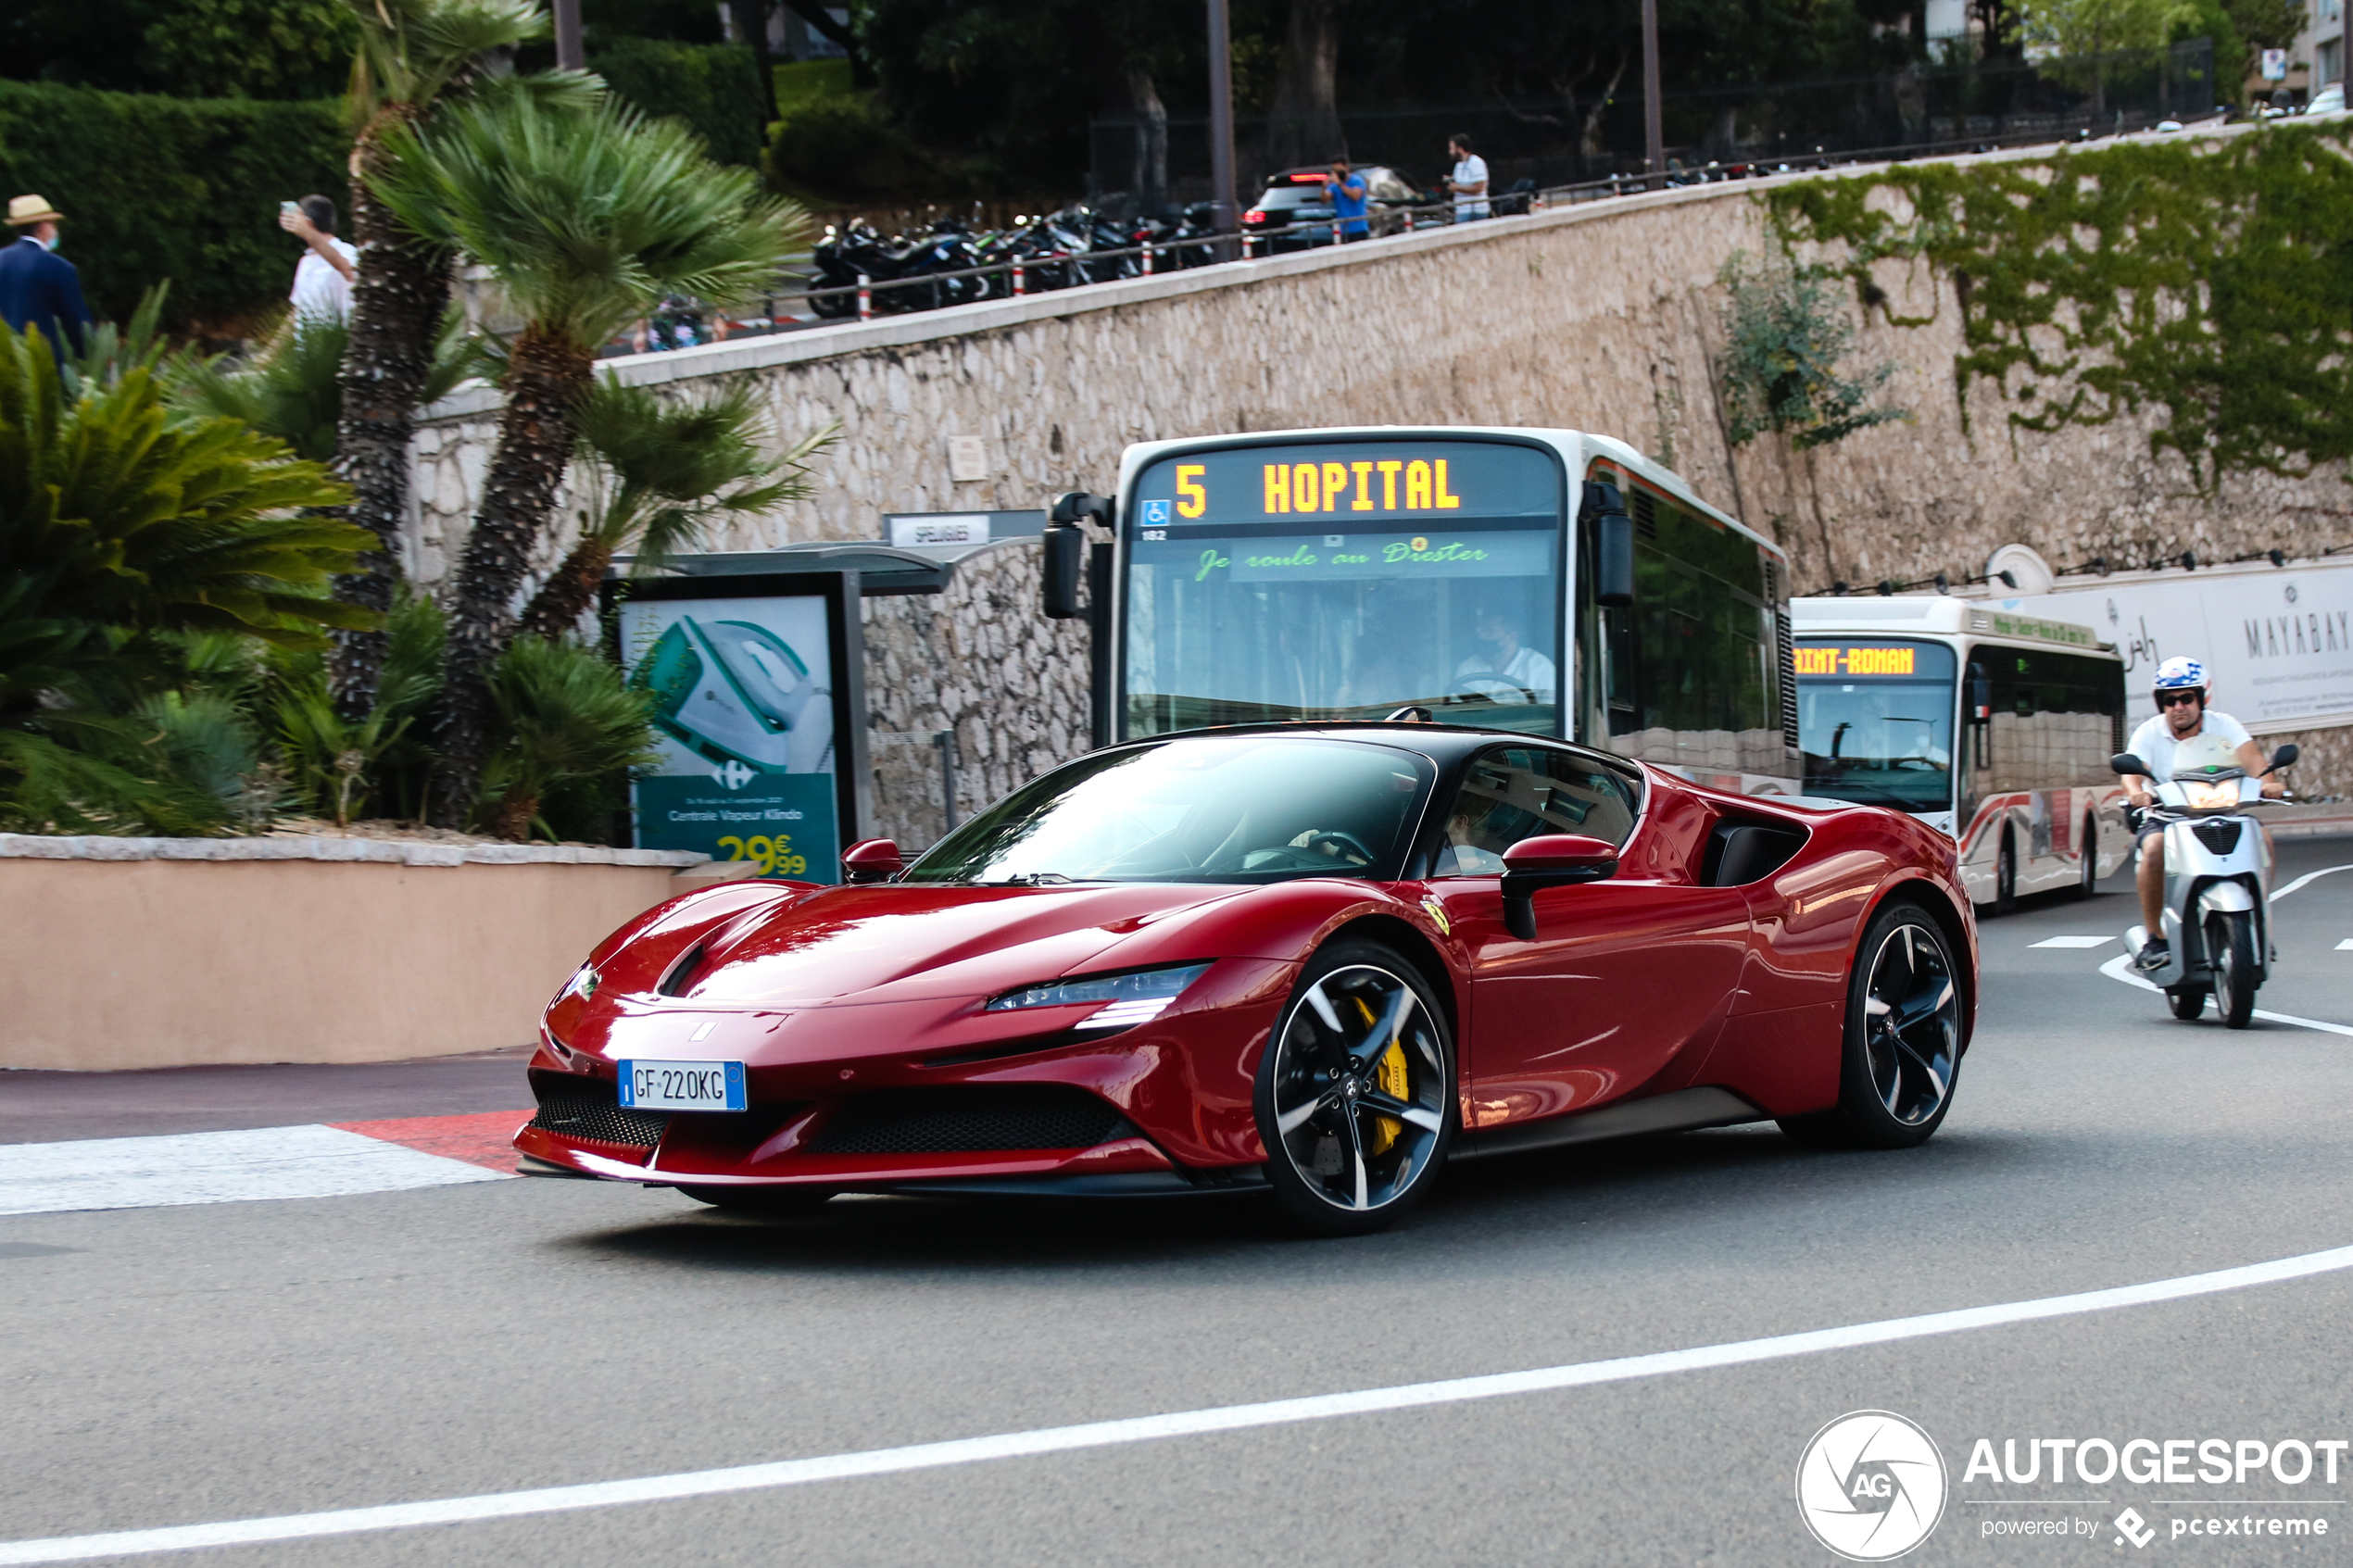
(682, 1086)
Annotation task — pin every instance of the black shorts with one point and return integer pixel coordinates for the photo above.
(2150, 828)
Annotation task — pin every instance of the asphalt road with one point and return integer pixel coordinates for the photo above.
(182, 1365)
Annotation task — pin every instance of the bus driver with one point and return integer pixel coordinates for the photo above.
(1506, 663)
(2181, 716)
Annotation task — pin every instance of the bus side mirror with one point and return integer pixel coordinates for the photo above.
(2284, 757)
(2125, 763)
(1613, 545)
(1065, 549)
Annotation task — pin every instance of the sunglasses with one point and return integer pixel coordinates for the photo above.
(2167, 699)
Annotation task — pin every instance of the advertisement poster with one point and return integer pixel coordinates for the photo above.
(2277, 643)
(744, 713)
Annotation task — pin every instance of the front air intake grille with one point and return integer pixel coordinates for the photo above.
(969, 1120)
(589, 1112)
(2221, 836)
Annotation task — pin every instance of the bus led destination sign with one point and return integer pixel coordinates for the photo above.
(1830, 659)
(1356, 482)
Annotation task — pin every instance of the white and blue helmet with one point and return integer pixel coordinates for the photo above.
(2182, 674)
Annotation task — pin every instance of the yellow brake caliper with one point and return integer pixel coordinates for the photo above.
(1391, 1075)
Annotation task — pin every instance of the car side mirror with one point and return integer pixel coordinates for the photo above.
(1552, 860)
(2124, 762)
(2284, 757)
(1613, 544)
(870, 860)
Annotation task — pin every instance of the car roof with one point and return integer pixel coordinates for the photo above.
(1445, 743)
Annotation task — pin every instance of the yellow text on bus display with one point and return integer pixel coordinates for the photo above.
(1365, 484)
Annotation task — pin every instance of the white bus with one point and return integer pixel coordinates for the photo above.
(1542, 580)
(1993, 726)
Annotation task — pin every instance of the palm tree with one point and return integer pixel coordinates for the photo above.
(588, 217)
(412, 53)
(671, 469)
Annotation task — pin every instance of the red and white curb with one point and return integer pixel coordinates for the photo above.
(317, 1161)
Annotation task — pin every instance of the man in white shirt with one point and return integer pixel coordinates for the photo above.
(1469, 180)
(2181, 719)
(1521, 673)
(323, 278)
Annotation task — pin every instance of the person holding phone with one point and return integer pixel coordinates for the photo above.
(324, 276)
(1348, 194)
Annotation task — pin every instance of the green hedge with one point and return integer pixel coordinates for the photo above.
(180, 188)
(712, 87)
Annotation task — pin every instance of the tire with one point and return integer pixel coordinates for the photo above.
(1336, 1164)
(2087, 881)
(762, 1202)
(2005, 877)
(1901, 1050)
(2230, 952)
(2188, 1002)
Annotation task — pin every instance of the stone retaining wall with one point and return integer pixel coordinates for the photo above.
(1604, 317)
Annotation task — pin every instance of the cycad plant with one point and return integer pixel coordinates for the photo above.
(341, 766)
(587, 218)
(561, 712)
(412, 55)
(659, 474)
(294, 388)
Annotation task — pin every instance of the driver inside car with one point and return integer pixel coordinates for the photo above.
(2170, 739)
(1503, 658)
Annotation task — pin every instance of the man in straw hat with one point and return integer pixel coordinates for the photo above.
(37, 287)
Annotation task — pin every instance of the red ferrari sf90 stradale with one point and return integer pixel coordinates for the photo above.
(1318, 961)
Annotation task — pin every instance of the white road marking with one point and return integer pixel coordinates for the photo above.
(2072, 942)
(2280, 893)
(1149, 1428)
(2346, 946)
(2118, 968)
(313, 1162)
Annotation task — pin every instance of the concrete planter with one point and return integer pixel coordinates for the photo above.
(161, 952)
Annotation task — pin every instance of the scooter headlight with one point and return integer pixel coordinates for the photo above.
(2203, 797)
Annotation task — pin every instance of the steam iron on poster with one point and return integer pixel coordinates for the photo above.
(733, 692)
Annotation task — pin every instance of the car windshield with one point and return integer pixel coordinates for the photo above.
(1238, 809)
(1282, 198)
(1876, 722)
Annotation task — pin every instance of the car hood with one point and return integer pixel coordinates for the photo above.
(899, 943)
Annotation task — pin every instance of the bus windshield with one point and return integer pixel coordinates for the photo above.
(1338, 580)
(1875, 720)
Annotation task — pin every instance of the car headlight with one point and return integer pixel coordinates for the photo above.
(1125, 1000)
(2205, 796)
(583, 984)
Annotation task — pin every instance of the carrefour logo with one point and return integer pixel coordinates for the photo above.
(732, 774)
(1871, 1486)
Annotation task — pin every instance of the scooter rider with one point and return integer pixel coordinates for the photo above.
(2181, 716)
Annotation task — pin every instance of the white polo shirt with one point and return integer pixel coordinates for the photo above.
(319, 290)
(1472, 170)
(2154, 744)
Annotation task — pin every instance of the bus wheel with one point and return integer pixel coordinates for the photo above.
(2005, 877)
(2088, 882)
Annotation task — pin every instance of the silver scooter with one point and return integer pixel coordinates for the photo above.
(2218, 886)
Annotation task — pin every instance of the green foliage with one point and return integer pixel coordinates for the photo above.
(1785, 333)
(294, 391)
(565, 714)
(174, 188)
(342, 768)
(251, 48)
(2084, 27)
(142, 522)
(410, 50)
(712, 87)
(673, 468)
(588, 217)
(2209, 283)
(2269, 24)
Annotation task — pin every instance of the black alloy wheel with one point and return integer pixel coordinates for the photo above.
(1355, 1094)
(2230, 952)
(761, 1202)
(2005, 877)
(2087, 881)
(1902, 1040)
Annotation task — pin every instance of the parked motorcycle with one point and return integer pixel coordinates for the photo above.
(2218, 886)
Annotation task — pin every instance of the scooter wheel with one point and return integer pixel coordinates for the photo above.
(2188, 1002)
(2230, 946)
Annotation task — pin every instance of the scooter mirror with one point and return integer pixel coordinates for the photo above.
(2284, 757)
(2125, 762)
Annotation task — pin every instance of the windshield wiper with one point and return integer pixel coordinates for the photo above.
(1028, 879)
